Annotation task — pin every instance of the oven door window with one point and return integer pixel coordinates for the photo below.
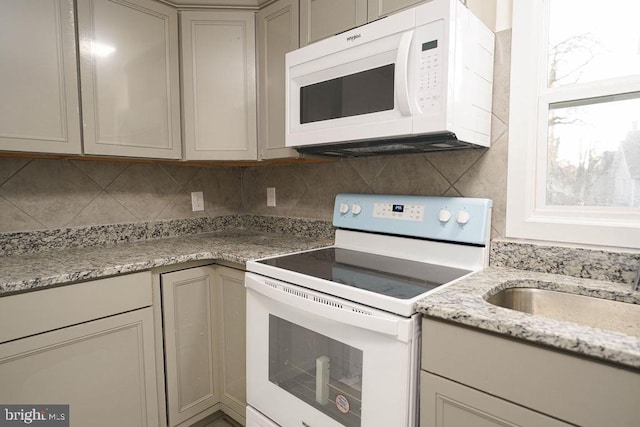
(321, 371)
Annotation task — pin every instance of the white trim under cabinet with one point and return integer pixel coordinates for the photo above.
(277, 35)
(219, 85)
(129, 78)
(39, 107)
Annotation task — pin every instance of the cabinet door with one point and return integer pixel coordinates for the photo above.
(219, 85)
(233, 312)
(323, 18)
(103, 369)
(444, 403)
(129, 76)
(277, 35)
(39, 108)
(380, 8)
(190, 303)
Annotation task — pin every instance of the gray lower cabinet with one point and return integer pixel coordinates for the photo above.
(191, 346)
(203, 314)
(88, 345)
(472, 378)
(232, 342)
(446, 403)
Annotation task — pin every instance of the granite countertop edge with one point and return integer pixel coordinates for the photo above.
(461, 302)
(464, 302)
(31, 272)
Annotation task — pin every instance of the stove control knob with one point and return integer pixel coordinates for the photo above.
(356, 209)
(462, 217)
(344, 208)
(444, 215)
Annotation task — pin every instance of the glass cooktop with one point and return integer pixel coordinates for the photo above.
(393, 277)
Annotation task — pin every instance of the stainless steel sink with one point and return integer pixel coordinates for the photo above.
(591, 311)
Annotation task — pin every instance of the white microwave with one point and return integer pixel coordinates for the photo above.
(419, 80)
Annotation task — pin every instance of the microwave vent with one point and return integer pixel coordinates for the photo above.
(446, 141)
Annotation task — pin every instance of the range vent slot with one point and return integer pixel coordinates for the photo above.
(295, 292)
(328, 302)
(356, 310)
(273, 285)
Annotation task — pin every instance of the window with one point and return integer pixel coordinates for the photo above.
(574, 131)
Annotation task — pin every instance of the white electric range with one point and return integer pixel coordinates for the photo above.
(333, 336)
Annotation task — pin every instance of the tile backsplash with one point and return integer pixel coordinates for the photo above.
(40, 194)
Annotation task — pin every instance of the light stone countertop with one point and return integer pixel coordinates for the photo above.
(464, 302)
(55, 267)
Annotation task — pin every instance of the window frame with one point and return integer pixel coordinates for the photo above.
(528, 217)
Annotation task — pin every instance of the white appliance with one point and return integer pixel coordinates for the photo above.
(333, 337)
(419, 80)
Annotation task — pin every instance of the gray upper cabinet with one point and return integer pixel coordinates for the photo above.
(277, 35)
(219, 85)
(320, 19)
(129, 78)
(380, 8)
(39, 108)
(323, 18)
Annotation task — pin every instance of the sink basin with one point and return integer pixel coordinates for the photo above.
(591, 311)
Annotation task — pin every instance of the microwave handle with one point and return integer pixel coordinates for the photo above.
(373, 323)
(402, 70)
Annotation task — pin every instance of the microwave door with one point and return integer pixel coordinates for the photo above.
(352, 95)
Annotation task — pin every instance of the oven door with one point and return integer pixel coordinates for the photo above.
(318, 361)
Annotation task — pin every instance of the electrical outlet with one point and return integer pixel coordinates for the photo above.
(271, 196)
(197, 201)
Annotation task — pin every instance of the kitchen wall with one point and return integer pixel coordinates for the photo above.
(307, 190)
(40, 194)
(46, 194)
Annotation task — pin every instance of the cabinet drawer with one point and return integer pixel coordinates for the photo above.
(104, 370)
(574, 389)
(39, 311)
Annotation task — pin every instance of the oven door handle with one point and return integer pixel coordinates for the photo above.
(324, 307)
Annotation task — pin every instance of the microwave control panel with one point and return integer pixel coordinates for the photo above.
(430, 74)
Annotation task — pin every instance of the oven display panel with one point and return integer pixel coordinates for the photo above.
(398, 211)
